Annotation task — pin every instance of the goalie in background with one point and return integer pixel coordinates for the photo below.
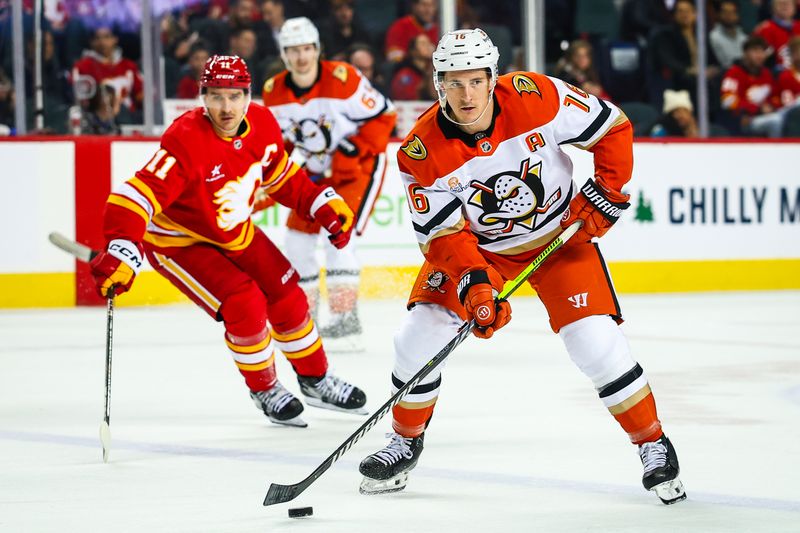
(339, 126)
(188, 210)
(489, 187)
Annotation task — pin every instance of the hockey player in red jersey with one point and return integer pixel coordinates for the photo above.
(339, 126)
(188, 211)
(489, 187)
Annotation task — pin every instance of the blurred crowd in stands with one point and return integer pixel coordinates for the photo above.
(641, 54)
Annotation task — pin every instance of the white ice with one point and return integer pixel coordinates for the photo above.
(519, 440)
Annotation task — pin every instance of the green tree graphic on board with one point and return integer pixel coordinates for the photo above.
(644, 209)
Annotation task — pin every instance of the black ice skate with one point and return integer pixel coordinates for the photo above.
(343, 333)
(387, 470)
(334, 393)
(661, 470)
(280, 405)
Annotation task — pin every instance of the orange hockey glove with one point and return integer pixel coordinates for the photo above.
(116, 267)
(598, 206)
(333, 214)
(477, 291)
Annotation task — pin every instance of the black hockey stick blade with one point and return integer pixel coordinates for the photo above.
(80, 251)
(283, 493)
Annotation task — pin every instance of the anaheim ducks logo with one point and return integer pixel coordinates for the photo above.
(269, 85)
(512, 198)
(312, 136)
(435, 281)
(523, 84)
(415, 149)
(340, 73)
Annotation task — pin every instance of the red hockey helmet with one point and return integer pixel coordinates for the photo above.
(228, 72)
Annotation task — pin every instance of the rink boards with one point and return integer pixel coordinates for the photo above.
(704, 217)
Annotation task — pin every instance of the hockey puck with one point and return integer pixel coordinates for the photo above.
(300, 512)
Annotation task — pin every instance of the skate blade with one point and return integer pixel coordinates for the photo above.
(347, 344)
(370, 487)
(316, 402)
(670, 492)
(295, 422)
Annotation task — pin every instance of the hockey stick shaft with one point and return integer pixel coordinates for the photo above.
(105, 426)
(80, 251)
(283, 493)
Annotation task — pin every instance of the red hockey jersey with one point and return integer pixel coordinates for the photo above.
(201, 187)
(122, 74)
(744, 92)
(789, 86)
(778, 38)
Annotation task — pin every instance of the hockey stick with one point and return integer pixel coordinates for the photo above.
(284, 493)
(86, 254)
(105, 428)
(80, 251)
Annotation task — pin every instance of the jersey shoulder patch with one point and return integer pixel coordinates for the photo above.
(338, 79)
(414, 149)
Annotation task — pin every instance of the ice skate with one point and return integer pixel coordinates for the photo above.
(343, 333)
(387, 470)
(280, 406)
(661, 470)
(331, 392)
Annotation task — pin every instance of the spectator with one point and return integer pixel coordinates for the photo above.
(243, 43)
(778, 30)
(7, 105)
(421, 20)
(100, 115)
(789, 79)
(727, 37)
(56, 91)
(414, 78)
(363, 58)
(342, 30)
(678, 116)
(272, 18)
(576, 67)
(242, 14)
(104, 64)
(640, 17)
(674, 51)
(748, 88)
(188, 86)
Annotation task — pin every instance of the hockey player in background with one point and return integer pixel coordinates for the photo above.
(339, 126)
(489, 186)
(188, 210)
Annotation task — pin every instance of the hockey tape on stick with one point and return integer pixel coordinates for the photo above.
(80, 251)
(283, 493)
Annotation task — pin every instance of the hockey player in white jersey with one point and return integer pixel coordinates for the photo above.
(488, 187)
(339, 126)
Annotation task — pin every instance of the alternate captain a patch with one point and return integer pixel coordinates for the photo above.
(524, 84)
(415, 149)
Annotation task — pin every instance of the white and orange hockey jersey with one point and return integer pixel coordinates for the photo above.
(501, 193)
(341, 104)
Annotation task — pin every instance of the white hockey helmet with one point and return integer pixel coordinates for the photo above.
(297, 31)
(463, 50)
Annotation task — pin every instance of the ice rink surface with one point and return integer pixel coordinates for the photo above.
(519, 440)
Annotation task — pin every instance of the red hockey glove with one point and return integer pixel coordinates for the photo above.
(116, 267)
(334, 215)
(477, 292)
(598, 207)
